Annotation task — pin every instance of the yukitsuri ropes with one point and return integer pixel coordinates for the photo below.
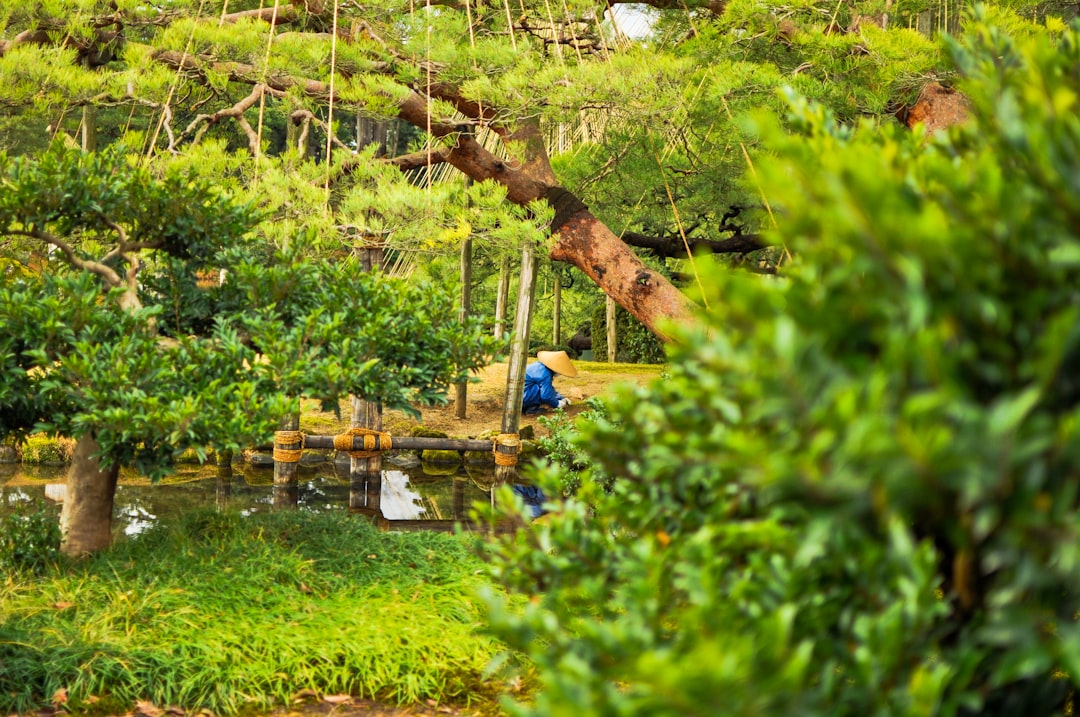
(366, 443)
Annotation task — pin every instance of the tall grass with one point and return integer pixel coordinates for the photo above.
(224, 612)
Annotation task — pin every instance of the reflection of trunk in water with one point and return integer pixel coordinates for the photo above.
(223, 486)
(365, 492)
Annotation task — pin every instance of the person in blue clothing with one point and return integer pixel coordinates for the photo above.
(539, 391)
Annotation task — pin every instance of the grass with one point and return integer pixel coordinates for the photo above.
(229, 613)
(634, 368)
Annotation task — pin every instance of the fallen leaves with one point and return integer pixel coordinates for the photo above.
(149, 709)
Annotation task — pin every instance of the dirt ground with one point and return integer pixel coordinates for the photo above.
(485, 401)
(486, 397)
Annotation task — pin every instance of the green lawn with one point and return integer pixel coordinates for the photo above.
(230, 613)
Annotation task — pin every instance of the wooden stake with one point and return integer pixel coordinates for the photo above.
(502, 298)
(286, 474)
(462, 393)
(367, 414)
(519, 353)
(612, 334)
(556, 309)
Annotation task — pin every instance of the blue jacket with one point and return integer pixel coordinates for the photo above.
(538, 388)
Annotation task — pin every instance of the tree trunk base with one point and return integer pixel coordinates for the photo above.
(86, 519)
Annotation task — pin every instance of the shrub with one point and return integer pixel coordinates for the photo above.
(855, 492)
(40, 448)
(30, 540)
(634, 342)
(561, 449)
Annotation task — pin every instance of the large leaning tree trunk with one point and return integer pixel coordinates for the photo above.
(581, 239)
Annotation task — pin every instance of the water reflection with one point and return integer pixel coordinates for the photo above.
(396, 499)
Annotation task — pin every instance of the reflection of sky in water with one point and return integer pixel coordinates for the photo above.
(396, 501)
(138, 520)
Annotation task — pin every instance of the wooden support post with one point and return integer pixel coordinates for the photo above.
(367, 414)
(288, 445)
(502, 297)
(519, 354)
(89, 128)
(89, 122)
(556, 306)
(612, 334)
(462, 389)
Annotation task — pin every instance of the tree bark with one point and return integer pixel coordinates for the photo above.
(584, 241)
(673, 246)
(86, 518)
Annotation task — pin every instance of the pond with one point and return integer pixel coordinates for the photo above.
(408, 497)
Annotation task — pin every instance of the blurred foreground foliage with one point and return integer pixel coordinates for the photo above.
(855, 491)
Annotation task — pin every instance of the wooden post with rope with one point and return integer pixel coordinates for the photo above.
(288, 447)
(365, 468)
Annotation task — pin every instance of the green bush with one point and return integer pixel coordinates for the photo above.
(30, 540)
(635, 343)
(855, 492)
(560, 448)
(39, 448)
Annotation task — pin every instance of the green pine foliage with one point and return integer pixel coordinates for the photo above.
(855, 491)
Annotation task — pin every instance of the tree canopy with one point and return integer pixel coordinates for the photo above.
(539, 104)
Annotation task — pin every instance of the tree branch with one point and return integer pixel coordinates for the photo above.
(673, 246)
(105, 272)
(237, 111)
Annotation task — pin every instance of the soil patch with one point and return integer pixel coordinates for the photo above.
(484, 405)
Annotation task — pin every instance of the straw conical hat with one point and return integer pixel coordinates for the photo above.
(557, 361)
